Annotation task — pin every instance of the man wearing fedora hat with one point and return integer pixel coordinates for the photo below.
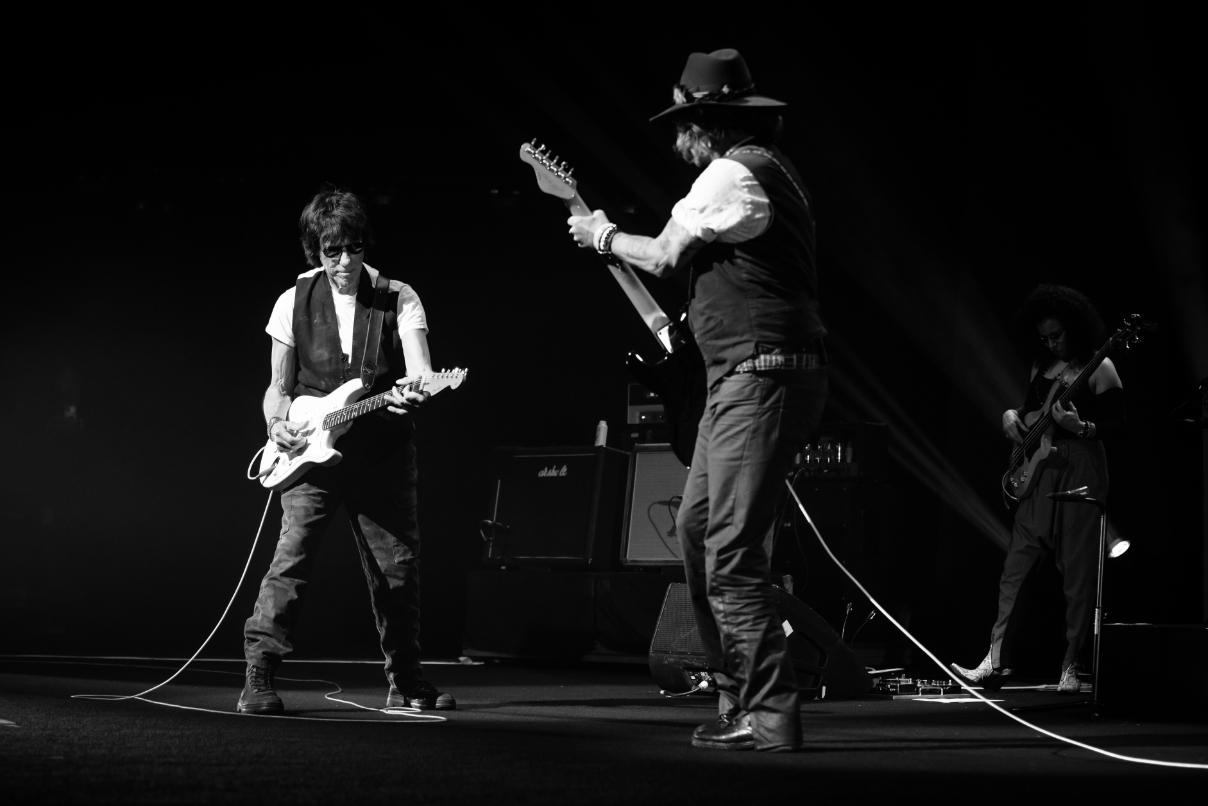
(745, 230)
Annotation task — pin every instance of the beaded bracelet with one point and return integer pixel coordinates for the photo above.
(604, 238)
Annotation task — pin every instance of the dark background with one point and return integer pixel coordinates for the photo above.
(156, 168)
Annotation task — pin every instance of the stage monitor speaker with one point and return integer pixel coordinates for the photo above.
(825, 667)
(556, 507)
(656, 485)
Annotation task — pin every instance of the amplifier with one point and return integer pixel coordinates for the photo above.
(556, 507)
(656, 484)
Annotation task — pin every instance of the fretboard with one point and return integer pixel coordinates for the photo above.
(365, 406)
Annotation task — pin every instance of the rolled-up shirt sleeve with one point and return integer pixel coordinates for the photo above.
(725, 204)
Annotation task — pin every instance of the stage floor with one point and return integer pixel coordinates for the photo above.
(586, 732)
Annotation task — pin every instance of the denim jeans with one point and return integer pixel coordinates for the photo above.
(752, 426)
(376, 484)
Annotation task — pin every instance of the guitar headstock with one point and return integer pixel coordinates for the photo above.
(553, 175)
(1132, 331)
(436, 381)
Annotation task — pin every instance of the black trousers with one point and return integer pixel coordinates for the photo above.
(752, 425)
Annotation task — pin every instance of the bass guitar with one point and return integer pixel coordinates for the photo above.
(678, 376)
(1037, 444)
(327, 418)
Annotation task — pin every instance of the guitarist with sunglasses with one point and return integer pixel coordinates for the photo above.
(1063, 331)
(343, 319)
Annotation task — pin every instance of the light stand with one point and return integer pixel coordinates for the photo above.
(1082, 495)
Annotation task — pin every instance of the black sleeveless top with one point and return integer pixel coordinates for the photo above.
(1038, 393)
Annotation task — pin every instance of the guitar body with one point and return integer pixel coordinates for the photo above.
(1018, 480)
(1023, 466)
(283, 467)
(326, 419)
(678, 379)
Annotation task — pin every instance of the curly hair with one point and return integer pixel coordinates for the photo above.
(334, 215)
(1074, 310)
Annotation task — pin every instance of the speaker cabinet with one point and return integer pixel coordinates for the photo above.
(656, 485)
(536, 613)
(1135, 669)
(556, 507)
(823, 664)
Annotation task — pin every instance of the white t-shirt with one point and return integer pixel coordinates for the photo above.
(410, 312)
(725, 203)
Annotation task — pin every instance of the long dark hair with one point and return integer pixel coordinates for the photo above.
(333, 215)
(1083, 325)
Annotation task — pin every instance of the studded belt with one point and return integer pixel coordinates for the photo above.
(773, 361)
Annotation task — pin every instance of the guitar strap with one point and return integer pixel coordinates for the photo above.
(373, 338)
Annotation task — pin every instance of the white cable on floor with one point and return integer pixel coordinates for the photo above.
(1136, 760)
(230, 602)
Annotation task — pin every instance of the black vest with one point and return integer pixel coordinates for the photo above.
(760, 295)
(321, 365)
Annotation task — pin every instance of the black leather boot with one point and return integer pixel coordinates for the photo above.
(258, 695)
(731, 731)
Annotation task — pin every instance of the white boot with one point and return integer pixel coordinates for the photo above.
(978, 673)
(1069, 683)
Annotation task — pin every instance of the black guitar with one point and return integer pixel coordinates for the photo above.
(678, 377)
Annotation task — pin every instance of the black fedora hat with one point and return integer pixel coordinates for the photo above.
(717, 79)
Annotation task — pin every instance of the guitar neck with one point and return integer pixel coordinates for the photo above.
(366, 405)
(1045, 420)
(353, 410)
(645, 304)
(1086, 372)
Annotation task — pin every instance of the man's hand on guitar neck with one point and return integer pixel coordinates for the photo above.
(406, 400)
(586, 229)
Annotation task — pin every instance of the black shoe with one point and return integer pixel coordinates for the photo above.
(776, 732)
(731, 731)
(418, 694)
(258, 695)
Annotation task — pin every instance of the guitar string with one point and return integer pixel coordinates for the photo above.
(358, 408)
(788, 482)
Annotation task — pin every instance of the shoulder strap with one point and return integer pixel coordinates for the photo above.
(373, 338)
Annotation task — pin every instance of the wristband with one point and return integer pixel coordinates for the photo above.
(271, 422)
(604, 238)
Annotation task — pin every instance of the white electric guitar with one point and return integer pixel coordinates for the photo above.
(327, 418)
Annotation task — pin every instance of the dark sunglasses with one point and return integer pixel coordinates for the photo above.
(337, 249)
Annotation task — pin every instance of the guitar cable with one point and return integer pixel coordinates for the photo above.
(788, 482)
(414, 715)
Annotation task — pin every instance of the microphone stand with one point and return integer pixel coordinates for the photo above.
(1082, 495)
